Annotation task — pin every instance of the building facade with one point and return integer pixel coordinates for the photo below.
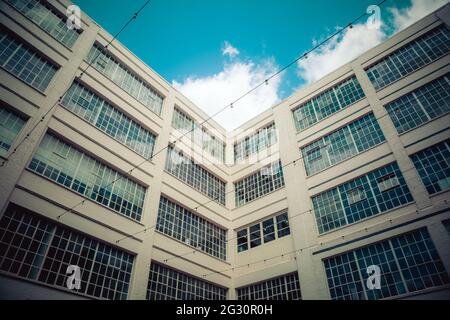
(108, 168)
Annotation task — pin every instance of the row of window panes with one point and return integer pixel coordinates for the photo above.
(363, 197)
(433, 165)
(73, 169)
(24, 62)
(266, 180)
(181, 224)
(408, 263)
(421, 105)
(168, 284)
(195, 175)
(286, 287)
(97, 111)
(260, 140)
(48, 19)
(352, 139)
(264, 231)
(198, 135)
(10, 126)
(125, 79)
(410, 58)
(35, 248)
(328, 103)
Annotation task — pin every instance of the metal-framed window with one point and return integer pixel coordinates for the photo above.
(410, 57)
(254, 143)
(354, 138)
(75, 170)
(286, 287)
(180, 223)
(368, 195)
(195, 175)
(408, 263)
(24, 62)
(421, 105)
(327, 103)
(264, 231)
(433, 165)
(198, 135)
(48, 19)
(106, 117)
(125, 79)
(266, 180)
(165, 283)
(38, 249)
(10, 126)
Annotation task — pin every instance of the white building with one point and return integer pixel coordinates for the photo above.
(352, 171)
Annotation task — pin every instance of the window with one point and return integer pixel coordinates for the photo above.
(388, 182)
(200, 136)
(195, 175)
(373, 193)
(286, 287)
(433, 165)
(354, 138)
(169, 284)
(75, 170)
(10, 126)
(266, 180)
(411, 57)
(23, 62)
(125, 79)
(242, 240)
(38, 249)
(267, 231)
(421, 105)
(181, 224)
(327, 103)
(47, 18)
(106, 117)
(408, 263)
(260, 140)
(356, 195)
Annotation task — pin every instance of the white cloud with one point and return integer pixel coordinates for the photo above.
(338, 51)
(353, 42)
(214, 92)
(418, 9)
(229, 50)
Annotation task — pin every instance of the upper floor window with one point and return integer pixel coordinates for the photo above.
(410, 57)
(354, 138)
(327, 103)
(433, 165)
(99, 112)
(421, 105)
(199, 135)
(195, 175)
(10, 126)
(125, 79)
(48, 19)
(252, 144)
(74, 169)
(263, 232)
(24, 62)
(360, 198)
(266, 180)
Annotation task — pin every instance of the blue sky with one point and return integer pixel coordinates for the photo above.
(212, 51)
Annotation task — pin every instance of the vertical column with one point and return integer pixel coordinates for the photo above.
(312, 281)
(138, 288)
(231, 247)
(405, 164)
(441, 240)
(16, 163)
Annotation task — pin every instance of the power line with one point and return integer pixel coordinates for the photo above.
(230, 105)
